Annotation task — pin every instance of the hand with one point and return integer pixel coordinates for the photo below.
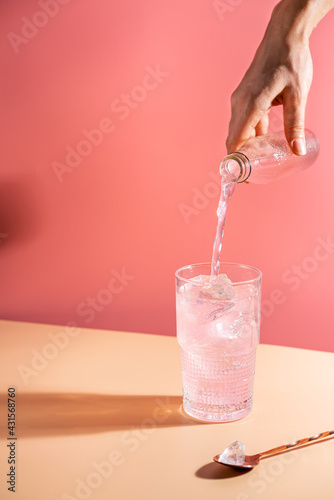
(281, 73)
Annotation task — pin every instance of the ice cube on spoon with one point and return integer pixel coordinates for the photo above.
(234, 454)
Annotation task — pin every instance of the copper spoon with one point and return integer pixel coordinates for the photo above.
(250, 461)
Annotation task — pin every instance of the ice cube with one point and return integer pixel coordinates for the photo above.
(218, 287)
(217, 292)
(218, 312)
(233, 454)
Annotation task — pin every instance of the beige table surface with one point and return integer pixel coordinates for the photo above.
(99, 416)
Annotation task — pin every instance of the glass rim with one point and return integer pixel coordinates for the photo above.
(243, 282)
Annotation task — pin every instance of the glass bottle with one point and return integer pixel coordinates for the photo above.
(268, 157)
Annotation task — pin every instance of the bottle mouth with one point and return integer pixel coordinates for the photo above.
(235, 167)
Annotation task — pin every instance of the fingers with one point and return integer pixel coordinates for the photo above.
(249, 118)
(245, 125)
(236, 139)
(237, 134)
(247, 114)
(294, 117)
(263, 125)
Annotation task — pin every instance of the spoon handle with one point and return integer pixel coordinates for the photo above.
(295, 444)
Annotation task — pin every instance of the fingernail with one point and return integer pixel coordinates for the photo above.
(299, 146)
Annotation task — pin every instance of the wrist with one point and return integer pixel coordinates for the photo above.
(296, 19)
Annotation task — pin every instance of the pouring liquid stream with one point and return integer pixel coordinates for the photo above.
(227, 189)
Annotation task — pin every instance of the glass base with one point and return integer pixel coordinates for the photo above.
(218, 388)
(216, 414)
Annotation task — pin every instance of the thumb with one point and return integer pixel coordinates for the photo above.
(294, 116)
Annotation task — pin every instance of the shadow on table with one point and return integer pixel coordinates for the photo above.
(217, 471)
(45, 414)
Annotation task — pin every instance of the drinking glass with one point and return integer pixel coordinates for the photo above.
(218, 323)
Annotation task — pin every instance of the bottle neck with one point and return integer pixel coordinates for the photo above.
(235, 167)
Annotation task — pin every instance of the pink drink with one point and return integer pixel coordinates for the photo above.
(218, 319)
(218, 331)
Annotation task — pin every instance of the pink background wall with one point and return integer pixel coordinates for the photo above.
(156, 77)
